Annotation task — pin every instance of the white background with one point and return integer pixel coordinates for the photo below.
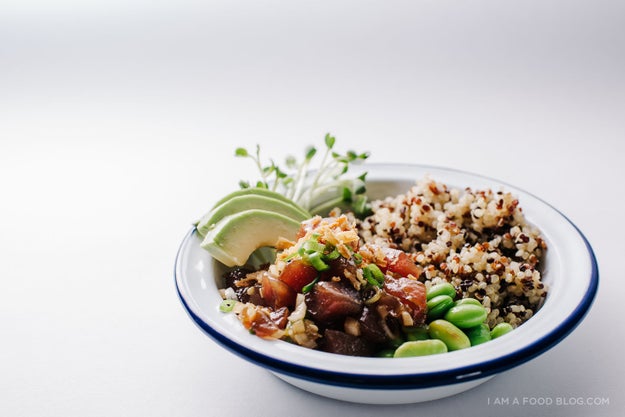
(118, 123)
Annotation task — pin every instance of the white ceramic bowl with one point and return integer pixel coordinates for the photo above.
(570, 271)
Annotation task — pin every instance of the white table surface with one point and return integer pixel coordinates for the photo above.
(118, 123)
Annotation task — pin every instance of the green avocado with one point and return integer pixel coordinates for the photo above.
(247, 202)
(233, 239)
(257, 191)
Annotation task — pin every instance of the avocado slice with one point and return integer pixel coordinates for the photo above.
(257, 191)
(235, 237)
(246, 202)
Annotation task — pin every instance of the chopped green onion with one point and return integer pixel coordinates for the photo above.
(373, 275)
(312, 246)
(316, 261)
(357, 258)
(227, 306)
(377, 273)
(375, 297)
(306, 289)
(291, 256)
(332, 255)
(368, 275)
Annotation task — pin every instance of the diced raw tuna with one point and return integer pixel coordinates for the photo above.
(336, 341)
(298, 274)
(399, 263)
(411, 293)
(329, 301)
(276, 293)
(371, 327)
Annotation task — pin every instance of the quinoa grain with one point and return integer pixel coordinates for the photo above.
(478, 240)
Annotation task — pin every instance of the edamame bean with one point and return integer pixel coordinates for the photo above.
(468, 300)
(466, 315)
(444, 288)
(478, 334)
(437, 306)
(416, 333)
(452, 336)
(500, 329)
(420, 348)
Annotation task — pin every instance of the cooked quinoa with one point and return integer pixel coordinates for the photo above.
(477, 240)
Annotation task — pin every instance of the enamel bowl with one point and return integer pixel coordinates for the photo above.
(569, 270)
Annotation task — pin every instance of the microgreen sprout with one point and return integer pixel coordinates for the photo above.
(317, 190)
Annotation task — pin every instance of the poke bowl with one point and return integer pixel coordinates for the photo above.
(568, 270)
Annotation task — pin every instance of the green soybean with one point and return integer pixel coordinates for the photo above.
(444, 288)
(416, 333)
(500, 329)
(468, 300)
(452, 336)
(437, 306)
(466, 315)
(420, 348)
(478, 334)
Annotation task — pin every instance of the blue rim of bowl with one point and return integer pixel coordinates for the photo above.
(418, 380)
